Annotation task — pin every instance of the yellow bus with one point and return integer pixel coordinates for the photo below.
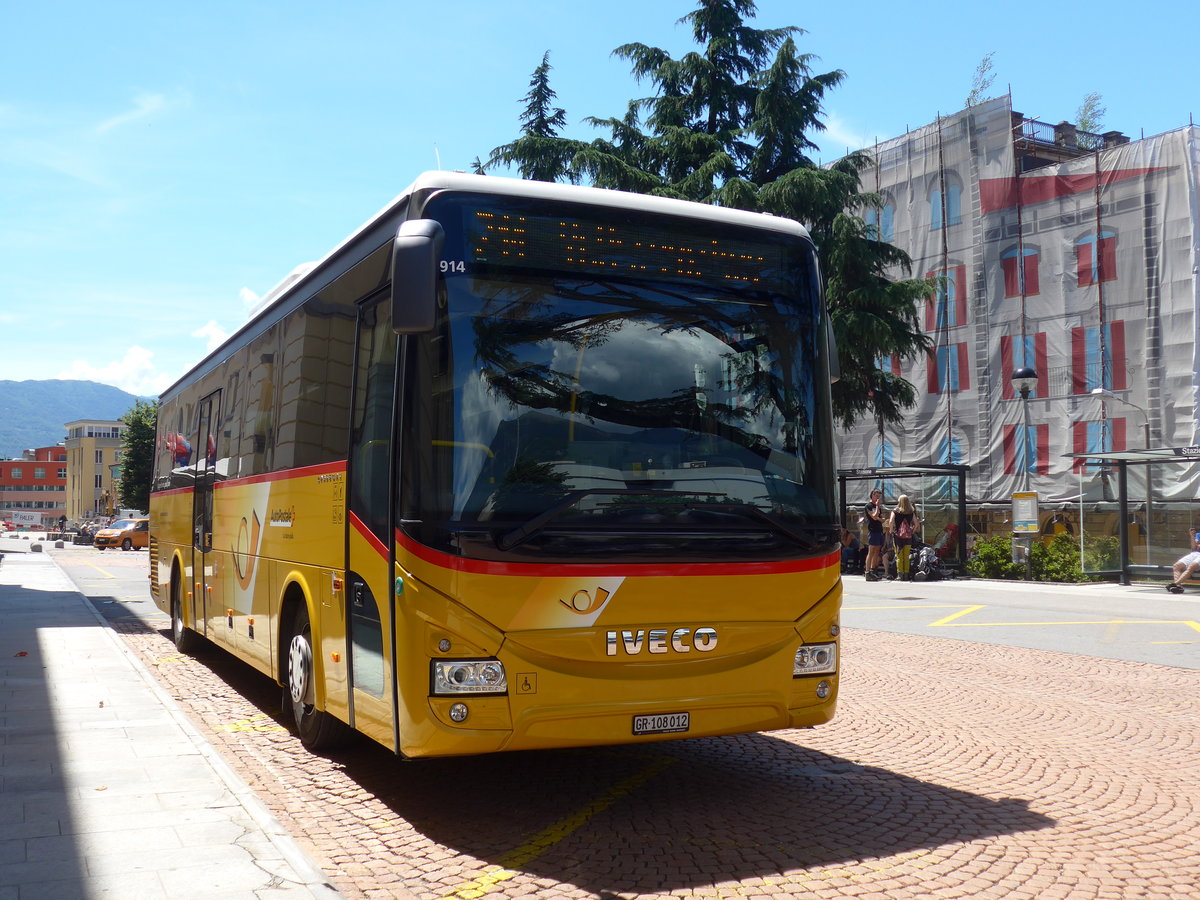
(518, 465)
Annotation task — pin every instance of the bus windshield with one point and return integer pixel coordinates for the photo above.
(584, 405)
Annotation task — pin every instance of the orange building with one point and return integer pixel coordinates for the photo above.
(33, 488)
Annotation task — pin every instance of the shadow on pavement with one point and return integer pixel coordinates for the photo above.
(681, 814)
(657, 817)
(39, 850)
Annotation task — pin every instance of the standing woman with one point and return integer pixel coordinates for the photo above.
(905, 524)
(873, 513)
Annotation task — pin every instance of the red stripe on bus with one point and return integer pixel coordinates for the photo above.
(306, 471)
(369, 536)
(644, 570)
(172, 492)
(321, 469)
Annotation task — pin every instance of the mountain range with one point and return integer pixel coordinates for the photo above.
(33, 413)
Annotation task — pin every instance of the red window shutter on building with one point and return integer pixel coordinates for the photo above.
(1012, 285)
(1031, 274)
(1006, 366)
(1008, 441)
(1043, 449)
(1083, 263)
(1117, 336)
(1078, 443)
(932, 382)
(931, 307)
(1078, 361)
(964, 370)
(1039, 355)
(1118, 433)
(960, 295)
(1108, 259)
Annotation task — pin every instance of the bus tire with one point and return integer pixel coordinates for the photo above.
(318, 730)
(186, 640)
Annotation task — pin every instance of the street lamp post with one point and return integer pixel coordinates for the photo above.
(1025, 380)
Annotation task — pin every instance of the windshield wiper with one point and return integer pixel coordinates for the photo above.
(807, 539)
(523, 532)
(803, 538)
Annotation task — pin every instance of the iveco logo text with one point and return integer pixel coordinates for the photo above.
(661, 640)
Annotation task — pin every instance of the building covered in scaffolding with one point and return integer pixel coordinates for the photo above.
(1068, 253)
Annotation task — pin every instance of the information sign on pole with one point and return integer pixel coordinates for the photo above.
(1025, 512)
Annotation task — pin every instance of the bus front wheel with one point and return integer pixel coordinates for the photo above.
(185, 639)
(317, 730)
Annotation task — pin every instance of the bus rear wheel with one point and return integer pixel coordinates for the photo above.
(317, 730)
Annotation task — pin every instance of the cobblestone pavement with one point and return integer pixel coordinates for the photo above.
(953, 770)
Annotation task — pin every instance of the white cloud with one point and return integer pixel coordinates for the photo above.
(839, 137)
(213, 333)
(135, 373)
(143, 105)
(249, 299)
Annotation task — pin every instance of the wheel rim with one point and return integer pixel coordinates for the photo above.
(176, 614)
(300, 667)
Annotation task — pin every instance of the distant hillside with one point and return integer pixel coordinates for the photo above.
(33, 413)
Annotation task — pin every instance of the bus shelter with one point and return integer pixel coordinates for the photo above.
(939, 491)
(1137, 504)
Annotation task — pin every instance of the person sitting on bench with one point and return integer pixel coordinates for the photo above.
(1186, 565)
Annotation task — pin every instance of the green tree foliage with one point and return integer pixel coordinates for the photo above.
(731, 124)
(1090, 115)
(873, 317)
(982, 80)
(539, 154)
(137, 455)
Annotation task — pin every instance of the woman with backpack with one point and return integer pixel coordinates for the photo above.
(904, 526)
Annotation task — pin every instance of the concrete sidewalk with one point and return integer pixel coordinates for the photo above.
(106, 790)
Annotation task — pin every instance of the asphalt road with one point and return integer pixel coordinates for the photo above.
(1140, 623)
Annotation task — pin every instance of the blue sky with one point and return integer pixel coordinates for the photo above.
(164, 165)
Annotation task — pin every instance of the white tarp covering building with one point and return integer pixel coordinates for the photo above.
(1070, 253)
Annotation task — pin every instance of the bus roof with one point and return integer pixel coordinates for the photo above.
(429, 182)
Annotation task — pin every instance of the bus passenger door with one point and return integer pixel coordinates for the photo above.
(369, 543)
(204, 462)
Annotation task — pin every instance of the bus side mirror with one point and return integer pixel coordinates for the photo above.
(416, 258)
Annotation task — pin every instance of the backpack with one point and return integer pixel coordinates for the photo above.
(905, 530)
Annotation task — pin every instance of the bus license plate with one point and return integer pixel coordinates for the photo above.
(662, 723)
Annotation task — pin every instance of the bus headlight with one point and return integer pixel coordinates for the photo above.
(468, 676)
(815, 659)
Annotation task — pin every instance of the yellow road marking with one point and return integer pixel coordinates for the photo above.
(950, 621)
(547, 838)
(1070, 622)
(254, 723)
(962, 612)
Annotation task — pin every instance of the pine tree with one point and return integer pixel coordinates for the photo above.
(539, 154)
